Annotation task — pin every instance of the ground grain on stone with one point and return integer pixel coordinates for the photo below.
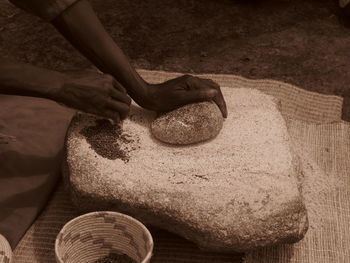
(106, 139)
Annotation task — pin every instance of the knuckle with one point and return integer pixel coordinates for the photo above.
(108, 77)
(212, 82)
(187, 76)
(106, 86)
(123, 89)
(217, 86)
(203, 94)
(124, 114)
(103, 103)
(111, 90)
(124, 107)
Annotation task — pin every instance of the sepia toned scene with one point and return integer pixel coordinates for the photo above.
(174, 131)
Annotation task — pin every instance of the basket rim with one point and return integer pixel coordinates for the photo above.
(134, 220)
(6, 248)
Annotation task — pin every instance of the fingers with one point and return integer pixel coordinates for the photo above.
(220, 101)
(119, 96)
(109, 79)
(116, 90)
(118, 86)
(219, 98)
(197, 95)
(201, 89)
(118, 107)
(112, 115)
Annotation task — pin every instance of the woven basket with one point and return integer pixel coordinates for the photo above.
(96, 235)
(5, 251)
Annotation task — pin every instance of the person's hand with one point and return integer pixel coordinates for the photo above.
(94, 93)
(184, 90)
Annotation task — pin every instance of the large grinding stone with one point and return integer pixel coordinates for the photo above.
(234, 193)
(188, 124)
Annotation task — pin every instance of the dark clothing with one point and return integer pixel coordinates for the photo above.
(30, 163)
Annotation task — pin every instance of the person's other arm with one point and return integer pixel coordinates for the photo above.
(80, 25)
(87, 91)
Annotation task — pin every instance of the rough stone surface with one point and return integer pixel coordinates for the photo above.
(237, 192)
(188, 124)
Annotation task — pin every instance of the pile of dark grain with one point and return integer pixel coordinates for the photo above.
(116, 258)
(107, 139)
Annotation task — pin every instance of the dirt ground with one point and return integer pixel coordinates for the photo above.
(303, 42)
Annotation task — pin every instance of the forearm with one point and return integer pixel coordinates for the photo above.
(27, 80)
(80, 25)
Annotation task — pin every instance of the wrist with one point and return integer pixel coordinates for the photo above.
(140, 91)
(56, 87)
(147, 101)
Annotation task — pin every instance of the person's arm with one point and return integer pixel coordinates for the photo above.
(87, 91)
(26, 80)
(80, 25)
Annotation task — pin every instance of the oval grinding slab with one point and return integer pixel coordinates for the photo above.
(237, 192)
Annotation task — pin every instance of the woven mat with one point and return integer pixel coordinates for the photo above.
(314, 122)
